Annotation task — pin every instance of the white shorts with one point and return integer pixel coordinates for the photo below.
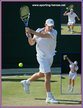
(71, 22)
(45, 64)
(72, 75)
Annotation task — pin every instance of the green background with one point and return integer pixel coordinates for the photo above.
(15, 47)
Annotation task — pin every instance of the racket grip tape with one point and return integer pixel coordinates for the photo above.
(28, 35)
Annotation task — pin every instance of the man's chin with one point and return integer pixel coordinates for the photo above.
(50, 30)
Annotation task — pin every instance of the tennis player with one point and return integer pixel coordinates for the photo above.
(72, 73)
(45, 39)
(71, 19)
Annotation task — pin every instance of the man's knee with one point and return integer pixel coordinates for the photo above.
(73, 24)
(73, 80)
(68, 25)
(40, 74)
(47, 76)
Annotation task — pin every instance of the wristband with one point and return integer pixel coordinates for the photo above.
(28, 36)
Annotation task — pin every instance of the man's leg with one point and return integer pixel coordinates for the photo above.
(72, 85)
(50, 98)
(47, 81)
(26, 83)
(36, 76)
(69, 87)
(73, 81)
(72, 27)
(68, 26)
(69, 81)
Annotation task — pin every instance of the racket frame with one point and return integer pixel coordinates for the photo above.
(69, 8)
(27, 20)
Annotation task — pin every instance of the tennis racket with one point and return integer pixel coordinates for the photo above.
(64, 57)
(25, 14)
(69, 7)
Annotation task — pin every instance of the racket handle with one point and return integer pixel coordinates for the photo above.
(26, 24)
(67, 10)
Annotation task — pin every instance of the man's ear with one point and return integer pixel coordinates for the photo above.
(45, 25)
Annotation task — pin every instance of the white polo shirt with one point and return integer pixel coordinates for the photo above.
(72, 66)
(45, 47)
(71, 17)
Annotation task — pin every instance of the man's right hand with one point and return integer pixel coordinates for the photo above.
(65, 13)
(27, 30)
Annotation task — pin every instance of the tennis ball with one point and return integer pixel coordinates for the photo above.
(66, 7)
(20, 64)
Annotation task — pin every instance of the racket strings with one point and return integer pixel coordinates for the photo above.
(25, 14)
(71, 6)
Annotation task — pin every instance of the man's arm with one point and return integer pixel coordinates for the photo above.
(65, 13)
(75, 70)
(38, 34)
(68, 60)
(78, 18)
(31, 40)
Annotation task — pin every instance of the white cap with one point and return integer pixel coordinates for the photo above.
(75, 62)
(49, 22)
(71, 9)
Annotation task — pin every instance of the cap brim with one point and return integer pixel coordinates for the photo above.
(50, 24)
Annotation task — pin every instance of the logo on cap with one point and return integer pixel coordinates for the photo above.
(49, 22)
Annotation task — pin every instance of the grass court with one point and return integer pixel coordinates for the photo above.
(77, 30)
(13, 93)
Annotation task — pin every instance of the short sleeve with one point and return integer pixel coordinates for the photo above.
(71, 62)
(71, 65)
(38, 30)
(53, 33)
(68, 13)
(76, 68)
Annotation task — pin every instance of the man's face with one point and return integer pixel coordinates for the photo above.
(75, 64)
(48, 28)
(71, 11)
